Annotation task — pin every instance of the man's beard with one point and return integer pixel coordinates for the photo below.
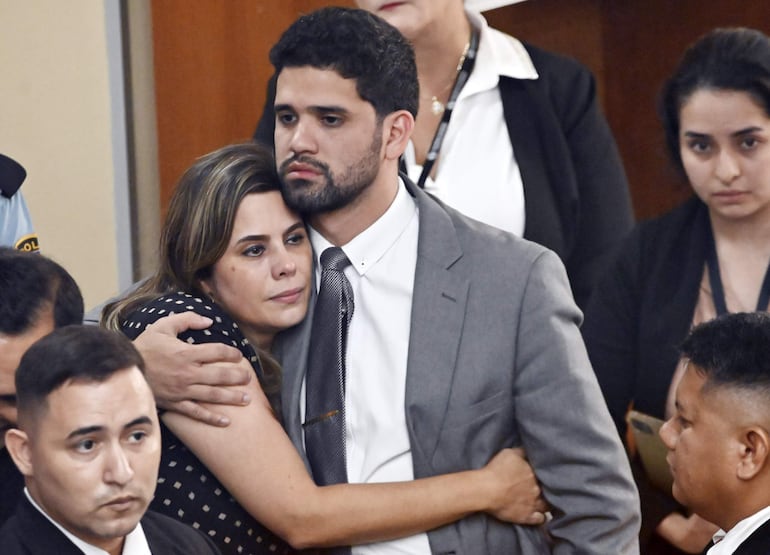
(335, 192)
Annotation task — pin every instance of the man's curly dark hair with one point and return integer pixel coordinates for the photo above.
(357, 45)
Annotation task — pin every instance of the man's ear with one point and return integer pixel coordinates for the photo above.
(754, 452)
(397, 129)
(17, 443)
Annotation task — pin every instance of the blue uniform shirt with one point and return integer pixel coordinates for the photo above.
(15, 224)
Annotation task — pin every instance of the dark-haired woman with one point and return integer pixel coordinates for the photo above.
(706, 257)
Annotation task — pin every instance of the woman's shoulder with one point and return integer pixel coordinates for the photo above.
(676, 224)
(222, 330)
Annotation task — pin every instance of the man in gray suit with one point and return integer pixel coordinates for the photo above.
(463, 339)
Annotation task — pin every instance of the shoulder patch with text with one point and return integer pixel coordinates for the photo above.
(28, 243)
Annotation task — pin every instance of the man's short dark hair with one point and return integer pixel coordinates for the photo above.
(31, 284)
(357, 45)
(73, 353)
(732, 350)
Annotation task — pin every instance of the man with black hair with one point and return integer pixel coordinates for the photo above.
(719, 438)
(446, 339)
(37, 295)
(457, 338)
(88, 444)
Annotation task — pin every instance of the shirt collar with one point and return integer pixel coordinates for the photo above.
(499, 54)
(727, 542)
(134, 544)
(369, 246)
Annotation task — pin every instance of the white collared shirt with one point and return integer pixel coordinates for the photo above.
(727, 542)
(383, 261)
(476, 162)
(134, 544)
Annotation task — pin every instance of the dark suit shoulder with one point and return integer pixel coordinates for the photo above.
(564, 80)
(28, 532)
(688, 215)
(553, 64)
(664, 240)
(168, 536)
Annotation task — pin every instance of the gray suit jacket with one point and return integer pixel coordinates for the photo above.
(496, 360)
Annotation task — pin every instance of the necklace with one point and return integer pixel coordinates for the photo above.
(436, 106)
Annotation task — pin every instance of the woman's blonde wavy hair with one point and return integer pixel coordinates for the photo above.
(197, 229)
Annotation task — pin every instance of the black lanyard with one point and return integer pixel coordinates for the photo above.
(717, 290)
(462, 77)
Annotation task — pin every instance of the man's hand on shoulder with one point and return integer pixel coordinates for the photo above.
(183, 375)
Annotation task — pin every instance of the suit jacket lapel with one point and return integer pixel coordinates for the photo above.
(37, 532)
(438, 306)
(291, 349)
(549, 183)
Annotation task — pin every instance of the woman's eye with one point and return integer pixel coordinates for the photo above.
(699, 147)
(749, 142)
(254, 250)
(295, 239)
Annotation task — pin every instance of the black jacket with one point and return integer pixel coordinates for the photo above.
(29, 532)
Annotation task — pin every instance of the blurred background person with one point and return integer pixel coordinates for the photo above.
(37, 295)
(15, 224)
(88, 444)
(707, 257)
(719, 436)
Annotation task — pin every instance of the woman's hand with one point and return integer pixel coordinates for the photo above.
(688, 533)
(515, 494)
(182, 376)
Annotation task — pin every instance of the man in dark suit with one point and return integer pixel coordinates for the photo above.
(719, 438)
(88, 445)
(463, 339)
(36, 296)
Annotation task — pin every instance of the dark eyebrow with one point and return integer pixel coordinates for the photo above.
(8, 398)
(295, 226)
(739, 133)
(249, 238)
(318, 110)
(138, 421)
(323, 110)
(694, 135)
(87, 430)
(747, 131)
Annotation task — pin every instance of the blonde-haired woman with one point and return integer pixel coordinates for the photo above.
(232, 251)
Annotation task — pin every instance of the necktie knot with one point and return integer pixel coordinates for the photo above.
(334, 258)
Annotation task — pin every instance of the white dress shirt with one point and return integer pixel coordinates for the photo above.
(725, 543)
(383, 260)
(476, 171)
(134, 544)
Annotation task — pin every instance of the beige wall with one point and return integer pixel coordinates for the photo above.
(56, 119)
